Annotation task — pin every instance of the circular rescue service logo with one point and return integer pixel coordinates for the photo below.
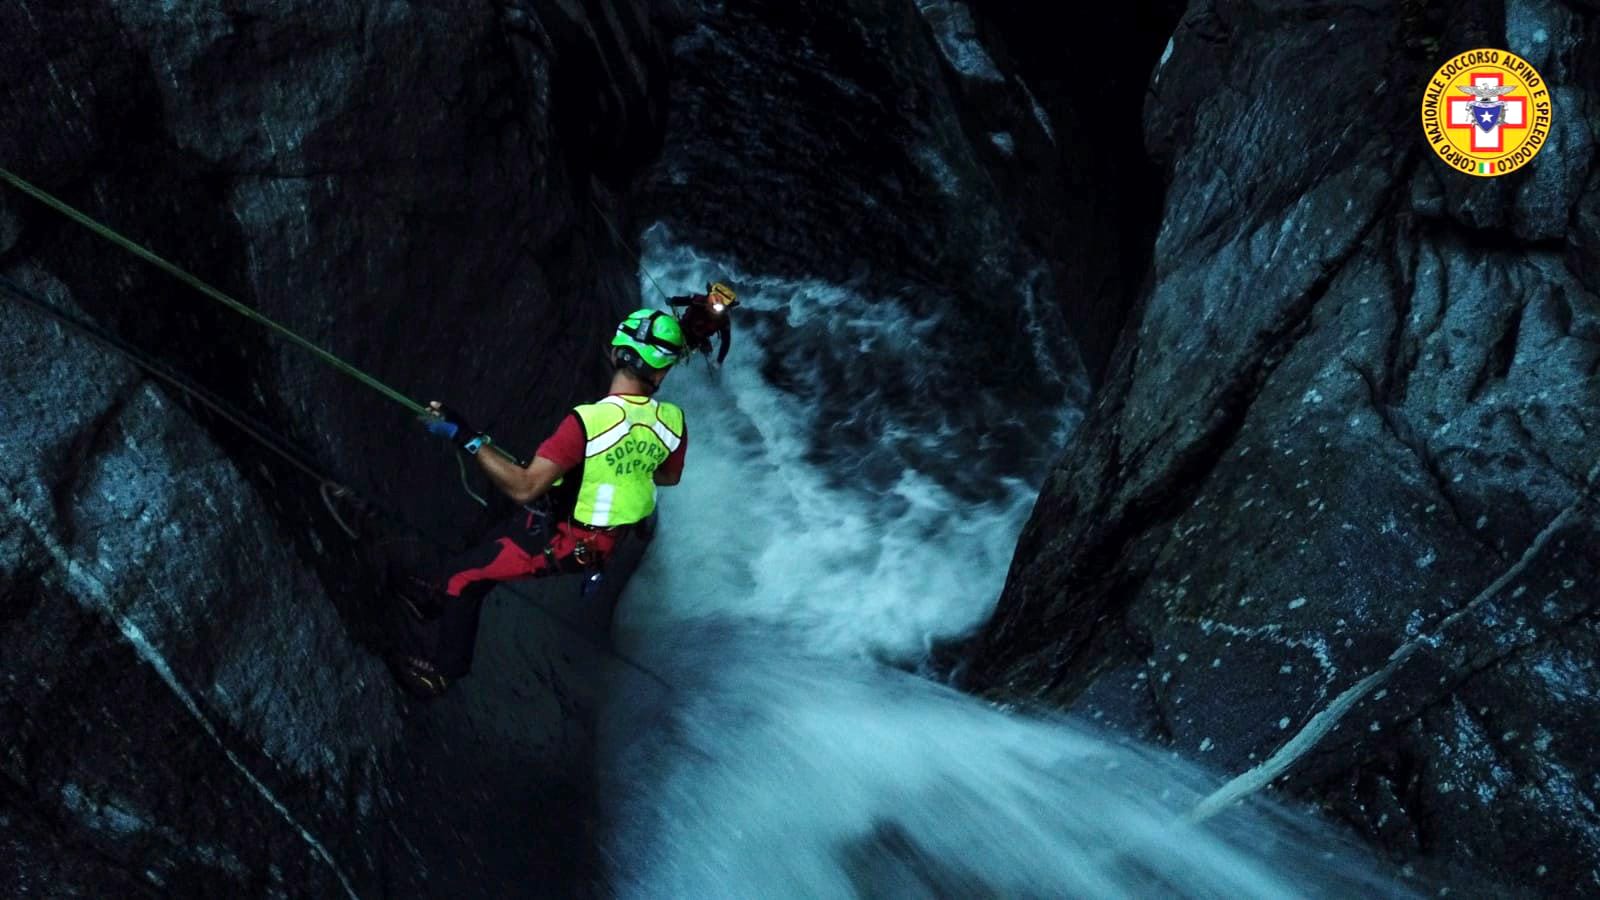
(1486, 112)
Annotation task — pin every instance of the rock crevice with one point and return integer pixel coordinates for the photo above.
(1410, 472)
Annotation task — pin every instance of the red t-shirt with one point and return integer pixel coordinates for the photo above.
(565, 447)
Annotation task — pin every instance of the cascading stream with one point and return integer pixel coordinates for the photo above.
(794, 562)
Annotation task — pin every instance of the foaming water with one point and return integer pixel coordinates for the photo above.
(788, 761)
(772, 772)
(865, 546)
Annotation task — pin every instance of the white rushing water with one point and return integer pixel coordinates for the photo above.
(789, 760)
(849, 568)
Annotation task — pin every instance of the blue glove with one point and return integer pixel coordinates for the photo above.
(449, 424)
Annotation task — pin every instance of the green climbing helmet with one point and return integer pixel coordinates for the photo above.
(648, 338)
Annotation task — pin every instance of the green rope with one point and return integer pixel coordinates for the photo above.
(178, 273)
(330, 489)
(249, 313)
(623, 243)
(467, 486)
(215, 404)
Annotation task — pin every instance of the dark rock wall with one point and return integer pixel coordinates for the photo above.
(181, 702)
(192, 701)
(394, 183)
(1089, 77)
(882, 145)
(1356, 414)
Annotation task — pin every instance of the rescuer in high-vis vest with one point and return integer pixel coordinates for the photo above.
(599, 471)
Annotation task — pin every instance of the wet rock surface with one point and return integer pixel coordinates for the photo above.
(893, 149)
(180, 697)
(428, 190)
(1355, 416)
(194, 696)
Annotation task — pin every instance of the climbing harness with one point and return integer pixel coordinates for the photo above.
(593, 566)
(330, 490)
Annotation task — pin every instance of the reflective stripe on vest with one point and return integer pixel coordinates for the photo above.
(627, 438)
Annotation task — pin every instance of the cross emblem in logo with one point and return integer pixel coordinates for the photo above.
(1486, 118)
